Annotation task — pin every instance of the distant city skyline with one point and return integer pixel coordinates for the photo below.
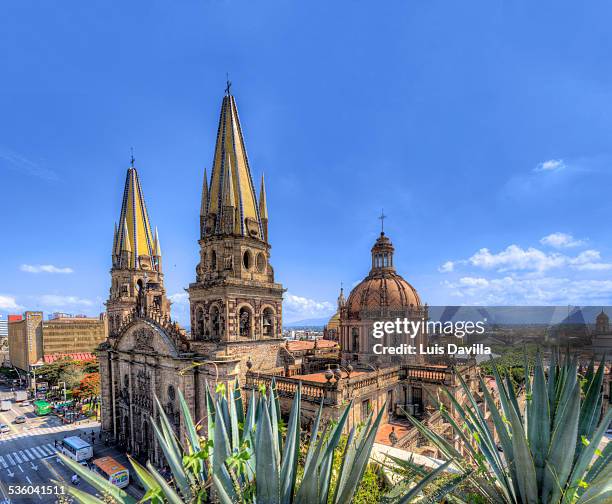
(483, 131)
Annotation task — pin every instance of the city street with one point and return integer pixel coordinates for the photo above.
(27, 455)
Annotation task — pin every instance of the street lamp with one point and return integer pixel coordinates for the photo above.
(64, 383)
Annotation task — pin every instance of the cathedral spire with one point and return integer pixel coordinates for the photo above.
(230, 149)
(135, 231)
(115, 252)
(204, 203)
(263, 208)
(157, 248)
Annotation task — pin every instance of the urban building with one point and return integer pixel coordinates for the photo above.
(4, 353)
(67, 334)
(34, 341)
(25, 340)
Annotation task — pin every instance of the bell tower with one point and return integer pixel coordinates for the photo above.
(234, 298)
(137, 281)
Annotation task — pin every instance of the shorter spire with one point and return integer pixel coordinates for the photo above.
(263, 204)
(204, 204)
(115, 252)
(127, 246)
(157, 247)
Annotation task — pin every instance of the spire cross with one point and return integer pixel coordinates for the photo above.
(229, 85)
(132, 156)
(382, 221)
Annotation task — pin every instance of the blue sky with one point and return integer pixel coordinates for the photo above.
(483, 128)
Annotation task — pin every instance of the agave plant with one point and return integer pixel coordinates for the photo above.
(549, 448)
(247, 457)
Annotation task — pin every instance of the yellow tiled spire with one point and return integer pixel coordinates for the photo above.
(263, 204)
(230, 150)
(135, 233)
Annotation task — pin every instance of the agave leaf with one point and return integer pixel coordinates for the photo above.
(348, 457)
(498, 422)
(97, 481)
(222, 447)
(192, 434)
(600, 490)
(538, 421)
(414, 492)
(175, 462)
(210, 419)
(222, 495)
(447, 488)
(585, 458)
(171, 496)
(308, 492)
(233, 425)
(291, 450)
(358, 467)
(274, 420)
(603, 461)
(167, 430)
(79, 495)
(589, 413)
(560, 455)
(525, 468)
(147, 479)
(313, 436)
(238, 401)
(268, 478)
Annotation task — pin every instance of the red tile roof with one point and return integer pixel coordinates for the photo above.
(85, 356)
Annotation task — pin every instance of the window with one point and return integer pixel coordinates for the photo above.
(247, 259)
(213, 260)
(245, 322)
(215, 324)
(199, 322)
(355, 339)
(261, 262)
(268, 322)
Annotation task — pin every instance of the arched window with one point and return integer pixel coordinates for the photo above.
(268, 322)
(245, 322)
(199, 322)
(213, 260)
(215, 322)
(247, 259)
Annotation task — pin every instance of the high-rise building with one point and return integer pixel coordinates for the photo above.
(25, 340)
(3, 327)
(34, 341)
(66, 335)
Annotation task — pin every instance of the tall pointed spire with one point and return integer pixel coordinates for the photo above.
(115, 239)
(230, 148)
(135, 231)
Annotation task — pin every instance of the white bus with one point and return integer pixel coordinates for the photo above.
(113, 471)
(76, 448)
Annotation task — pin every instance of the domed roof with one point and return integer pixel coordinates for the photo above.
(383, 287)
(602, 317)
(334, 322)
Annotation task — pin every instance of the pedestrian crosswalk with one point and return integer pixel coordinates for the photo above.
(27, 455)
(38, 431)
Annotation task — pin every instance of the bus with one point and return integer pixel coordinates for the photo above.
(112, 471)
(76, 448)
(42, 408)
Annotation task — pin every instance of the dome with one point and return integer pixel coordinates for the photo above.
(383, 287)
(334, 322)
(602, 317)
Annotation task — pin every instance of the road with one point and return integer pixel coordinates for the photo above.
(27, 455)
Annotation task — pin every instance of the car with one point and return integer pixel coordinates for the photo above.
(25, 403)
(20, 419)
(4, 428)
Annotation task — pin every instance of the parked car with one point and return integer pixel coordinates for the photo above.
(25, 403)
(20, 419)
(4, 428)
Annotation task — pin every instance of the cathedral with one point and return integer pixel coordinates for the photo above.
(236, 321)
(235, 303)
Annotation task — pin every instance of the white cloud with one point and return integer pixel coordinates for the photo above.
(531, 291)
(9, 303)
(517, 258)
(550, 165)
(447, 267)
(561, 240)
(298, 308)
(44, 268)
(179, 297)
(58, 301)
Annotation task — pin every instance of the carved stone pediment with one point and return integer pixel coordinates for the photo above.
(145, 336)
